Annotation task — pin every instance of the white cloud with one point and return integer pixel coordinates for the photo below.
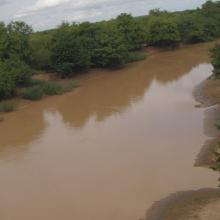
(40, 5)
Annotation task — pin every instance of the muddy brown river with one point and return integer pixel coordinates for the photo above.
(111, 148)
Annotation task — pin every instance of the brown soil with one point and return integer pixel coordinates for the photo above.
(189, 205)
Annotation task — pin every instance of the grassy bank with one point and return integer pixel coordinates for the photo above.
(35, 90)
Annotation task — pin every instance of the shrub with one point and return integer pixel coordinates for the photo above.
(34, 93)
(7, 106)
(20, 70)
(7, 82)
(13, 72)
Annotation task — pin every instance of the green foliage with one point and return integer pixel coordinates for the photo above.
(40, 44)
(132, 32)
(216, 166)
(7, 106)
(191, 28)
(22, 73)
(163, 33)
(68, 54)
(14, 54)
(18, 41)
(40, 88)
(215, 54)
(34, 93)
(134, 56)
(73, 48)
(51, 88)
(157, 12)
(109, 56)
(110, 51)
(7, 82)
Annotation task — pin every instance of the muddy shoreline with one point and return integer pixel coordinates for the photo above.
(208, 94)
(204, 203)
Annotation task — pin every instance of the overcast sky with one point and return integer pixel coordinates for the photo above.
(44, 14)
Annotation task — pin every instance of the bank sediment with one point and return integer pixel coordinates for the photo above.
(200, 204)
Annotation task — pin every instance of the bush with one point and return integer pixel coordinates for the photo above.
(7, 106)
(20, 70)
(7, 82)
(34, 93)
(13, 72)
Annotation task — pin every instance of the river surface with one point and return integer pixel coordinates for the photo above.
(111, 148)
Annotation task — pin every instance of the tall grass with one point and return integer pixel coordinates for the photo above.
(40, 88)
(71, 85)
(135, 56)
(7, 106)
(51, 88)
(34, 93)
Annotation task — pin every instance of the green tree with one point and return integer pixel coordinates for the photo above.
(110, 49)
(4, 43)
(132, 32)
(68, 53)
(7, 82)
(40, 44)
(192, 28)
(18, 40)
(163, 33)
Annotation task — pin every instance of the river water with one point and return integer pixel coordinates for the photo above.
(107, 151)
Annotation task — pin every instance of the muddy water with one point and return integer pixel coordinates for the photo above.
(122, 141)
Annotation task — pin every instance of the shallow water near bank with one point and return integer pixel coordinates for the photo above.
(109, 150)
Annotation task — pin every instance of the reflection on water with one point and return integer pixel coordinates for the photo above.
(105, 151)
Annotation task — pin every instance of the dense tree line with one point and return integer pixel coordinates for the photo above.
(72, 48)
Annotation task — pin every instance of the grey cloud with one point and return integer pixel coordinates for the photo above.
(49, 13)
(3, 2)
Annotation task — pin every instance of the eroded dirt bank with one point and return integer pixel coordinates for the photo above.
(189, 205)
(205, 203)
(208, 94)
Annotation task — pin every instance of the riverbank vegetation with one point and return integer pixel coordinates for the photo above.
(215, 55)
(215, 52)
(73, 48)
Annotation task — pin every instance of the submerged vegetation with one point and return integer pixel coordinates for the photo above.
(41, 88)
(72, 48)
(7, 106)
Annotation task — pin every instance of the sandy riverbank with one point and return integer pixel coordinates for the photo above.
(205, 203)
